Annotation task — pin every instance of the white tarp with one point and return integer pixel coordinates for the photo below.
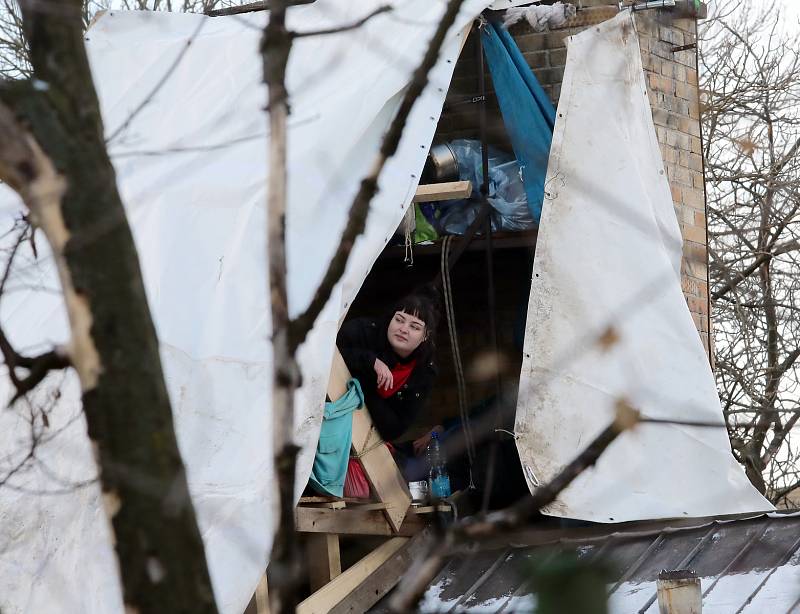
(191, 167)
(609, 254)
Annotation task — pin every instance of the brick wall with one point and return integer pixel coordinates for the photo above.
(672, 82)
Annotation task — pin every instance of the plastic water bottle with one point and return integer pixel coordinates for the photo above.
(438, 479)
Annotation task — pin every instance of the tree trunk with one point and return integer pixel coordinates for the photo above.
(114, 346)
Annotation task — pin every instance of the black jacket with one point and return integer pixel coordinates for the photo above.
(361, 341)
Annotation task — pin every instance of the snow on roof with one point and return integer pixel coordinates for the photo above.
(749, 565)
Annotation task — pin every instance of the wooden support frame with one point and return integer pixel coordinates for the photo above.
(329, 596)
(382, 472)
(259, 602)
(383, 579)
(352, 522)
(324, 560)
(362, 520)
(262, 596)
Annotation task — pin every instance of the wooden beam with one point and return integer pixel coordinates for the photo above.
(324, 560)
(354, 522)
(452, 190)
(326, 598)
(259, 602)
(368, 506)
(382, 473)
(251, 7)
(262, 596)
(383, 579)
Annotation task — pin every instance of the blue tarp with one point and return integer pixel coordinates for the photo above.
(528, 114)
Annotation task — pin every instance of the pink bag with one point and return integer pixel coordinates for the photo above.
(355, 482)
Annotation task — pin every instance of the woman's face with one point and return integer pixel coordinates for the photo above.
(405, 333)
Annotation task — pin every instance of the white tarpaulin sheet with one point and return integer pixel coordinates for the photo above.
(609, 255)
(192, 165)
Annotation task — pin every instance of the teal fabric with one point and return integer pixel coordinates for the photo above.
(335, 437)
(527, 112)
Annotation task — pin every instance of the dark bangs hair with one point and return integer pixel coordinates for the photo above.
(422, 303)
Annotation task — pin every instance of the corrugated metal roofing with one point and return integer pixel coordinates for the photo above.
(747, 565)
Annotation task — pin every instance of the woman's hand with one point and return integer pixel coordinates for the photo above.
(421, 444)
(385, 378)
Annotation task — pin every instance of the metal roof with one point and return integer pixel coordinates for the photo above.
(745, 565)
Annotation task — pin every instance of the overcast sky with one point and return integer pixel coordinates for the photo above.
(789, 8)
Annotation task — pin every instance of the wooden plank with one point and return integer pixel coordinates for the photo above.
(259, 602)
(331, 505)
(334, 592)
(368, 506)
(429, 509)
(451, 190)
(323, 557)
(318, 499)
(262, 596)
(382, 472)
(352, 521)
(384, 579)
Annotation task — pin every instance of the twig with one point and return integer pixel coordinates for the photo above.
(357, 215)
(250, 8)
(762, 259)
(697, 423)
(164, 78)
(345, 28)
(38, 366)
(417, 579)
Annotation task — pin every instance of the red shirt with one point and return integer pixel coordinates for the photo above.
(400, 374)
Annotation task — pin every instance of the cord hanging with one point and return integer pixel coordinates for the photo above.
(454, 346)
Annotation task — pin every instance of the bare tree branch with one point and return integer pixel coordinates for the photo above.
(345, 28)
(357, 215)
(415, 582)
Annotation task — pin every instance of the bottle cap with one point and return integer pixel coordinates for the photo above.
(435, 435)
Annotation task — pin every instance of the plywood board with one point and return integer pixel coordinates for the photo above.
(354, 522)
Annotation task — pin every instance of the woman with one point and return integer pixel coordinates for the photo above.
(393, 360)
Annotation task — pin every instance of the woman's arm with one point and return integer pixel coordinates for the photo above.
(356, 342)
(393, 416)
(389, 422)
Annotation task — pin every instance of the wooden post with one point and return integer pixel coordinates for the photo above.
(259, 602)
(324, 562)
(262, 596)
(679, 593)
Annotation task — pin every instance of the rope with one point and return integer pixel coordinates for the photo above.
(409, 227)
(461, 384)
(366, 448)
